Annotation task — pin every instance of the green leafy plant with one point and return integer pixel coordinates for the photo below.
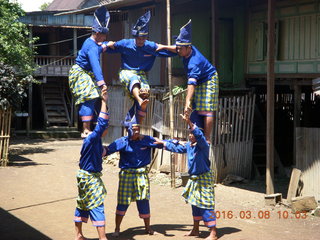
(12, 88)
(176, 90)
(15, 42)
(16, 55)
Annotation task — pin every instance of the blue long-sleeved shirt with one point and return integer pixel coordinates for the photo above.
(138, 58)
(198, 67)
(92, 149)
(89, 59)
(198, 154)
(133, 153)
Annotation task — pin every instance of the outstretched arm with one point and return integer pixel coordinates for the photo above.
(171, 48)
(201, 139)
(171, 145)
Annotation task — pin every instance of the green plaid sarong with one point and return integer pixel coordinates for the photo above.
(82, 85)
(133, 185)
(91, 190)
(127, 77)
(206, 95)
(199, 191)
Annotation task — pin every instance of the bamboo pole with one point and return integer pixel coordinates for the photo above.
(270, 99)
(172, 160)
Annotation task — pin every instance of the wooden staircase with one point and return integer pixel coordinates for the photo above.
(54, 104)
(259, 154)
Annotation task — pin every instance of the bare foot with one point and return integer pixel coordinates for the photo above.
(144, 104)
(192, 233)
(144, 93)
(80, 238)
(151, 232)
(212, 238)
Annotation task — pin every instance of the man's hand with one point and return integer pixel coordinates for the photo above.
(110, 44)
(158, 141)
(160, 47)
(187, 111)
(104, 93)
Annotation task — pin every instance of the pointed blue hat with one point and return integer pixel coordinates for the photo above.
(101, 18)
(185, 36)
(197, 119)
(130, 120)
(141, 28)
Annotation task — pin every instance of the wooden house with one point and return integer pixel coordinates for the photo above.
(233, 35)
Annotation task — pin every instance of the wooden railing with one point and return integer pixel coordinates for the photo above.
(53, 65)
(54, 60)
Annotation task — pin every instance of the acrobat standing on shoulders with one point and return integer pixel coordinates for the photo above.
(203, 82)
(85, 77)
(137, 58)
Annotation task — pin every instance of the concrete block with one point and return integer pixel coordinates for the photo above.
(165, 168)
(273, 199)
(305, 203)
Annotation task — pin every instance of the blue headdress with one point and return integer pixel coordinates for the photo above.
(130, 119)
(197, 119)
(101, 18)
(185, 36)
(141, 28)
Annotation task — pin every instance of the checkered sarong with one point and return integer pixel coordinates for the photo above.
(91, 190)
(133, 185)
(206, 95)
(129, 77)
(82, 85)
(199, 191)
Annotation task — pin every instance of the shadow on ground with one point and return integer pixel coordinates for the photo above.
(14, 229)
(20, 161)
(163, 229)
(258, 185)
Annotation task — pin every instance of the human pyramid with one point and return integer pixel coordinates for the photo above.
(87, 85)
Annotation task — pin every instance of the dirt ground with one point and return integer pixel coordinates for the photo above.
(38, 191)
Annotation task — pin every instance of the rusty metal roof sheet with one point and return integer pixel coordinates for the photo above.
(58, 5)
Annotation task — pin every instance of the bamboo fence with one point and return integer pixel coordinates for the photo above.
(5, 121)
(231, 151)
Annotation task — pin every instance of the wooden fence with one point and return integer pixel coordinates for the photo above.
(308, 160)
(5, 121)
(232, 142)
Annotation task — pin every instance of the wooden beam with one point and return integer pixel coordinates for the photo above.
(281, 82)
(285, 75)
(172, 159)
(270, 98)
(296, 117)
(293, 185)
(213, 32)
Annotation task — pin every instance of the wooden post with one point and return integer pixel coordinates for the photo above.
(213, 32)
(73, 111)
(296, 117)
(293, 185)
(270, 98)
(172, 160)
(75, 46)
(29, 118)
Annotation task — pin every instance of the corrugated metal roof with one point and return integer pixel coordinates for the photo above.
(47, 18)
(110, 4)
(59, 5)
